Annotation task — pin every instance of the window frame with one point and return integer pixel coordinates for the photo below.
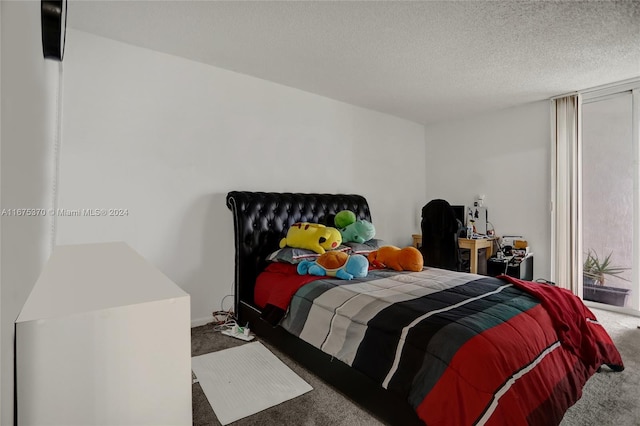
(573, 170)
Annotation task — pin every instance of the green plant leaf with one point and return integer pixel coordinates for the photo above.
(596, 269)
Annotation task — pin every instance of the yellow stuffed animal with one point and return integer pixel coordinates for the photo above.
(312, 236)
(405, 259)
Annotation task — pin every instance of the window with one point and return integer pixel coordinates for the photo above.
(607, 200)
(596, 194)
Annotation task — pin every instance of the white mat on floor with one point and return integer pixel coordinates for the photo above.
(244, 380)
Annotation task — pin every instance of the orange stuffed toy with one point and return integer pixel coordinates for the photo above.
(405, 259)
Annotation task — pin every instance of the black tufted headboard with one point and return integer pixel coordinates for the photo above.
(261, 220)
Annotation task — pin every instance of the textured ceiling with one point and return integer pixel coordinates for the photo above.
(426, 61)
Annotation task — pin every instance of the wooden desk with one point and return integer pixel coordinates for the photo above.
(473, 245)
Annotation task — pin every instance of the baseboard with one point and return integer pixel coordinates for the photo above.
(605, 307)
(201, 321)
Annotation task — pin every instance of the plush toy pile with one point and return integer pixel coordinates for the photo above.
(325, 240)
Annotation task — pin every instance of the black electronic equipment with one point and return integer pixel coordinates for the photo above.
(521, 268)
(461, 213)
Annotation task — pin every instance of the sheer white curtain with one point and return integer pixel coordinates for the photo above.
(566, 238)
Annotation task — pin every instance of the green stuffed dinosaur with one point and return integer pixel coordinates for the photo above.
(352, 230)
(360, 231)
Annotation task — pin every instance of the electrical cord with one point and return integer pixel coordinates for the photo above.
(222, 302)
(57, 143)
(493, 229)
(223, 320)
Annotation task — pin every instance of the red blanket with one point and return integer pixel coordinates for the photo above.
(277, 284)
(576, 326)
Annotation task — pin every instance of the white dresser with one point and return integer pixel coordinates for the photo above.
(103, 339)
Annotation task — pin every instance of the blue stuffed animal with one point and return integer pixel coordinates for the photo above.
(336, 264)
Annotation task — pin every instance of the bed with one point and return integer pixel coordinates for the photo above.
(432, 347)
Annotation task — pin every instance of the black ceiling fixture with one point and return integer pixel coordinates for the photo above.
(54, 26)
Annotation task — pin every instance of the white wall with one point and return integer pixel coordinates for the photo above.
(506, 156)
(28, 125)
(167, 138)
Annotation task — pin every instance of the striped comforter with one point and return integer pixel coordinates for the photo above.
(463, 349)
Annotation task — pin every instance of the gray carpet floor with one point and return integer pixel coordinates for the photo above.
(608, 398)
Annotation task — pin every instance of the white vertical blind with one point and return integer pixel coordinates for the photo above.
(565, 231)
(635, 132)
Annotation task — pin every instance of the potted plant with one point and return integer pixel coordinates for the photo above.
(594, 273)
